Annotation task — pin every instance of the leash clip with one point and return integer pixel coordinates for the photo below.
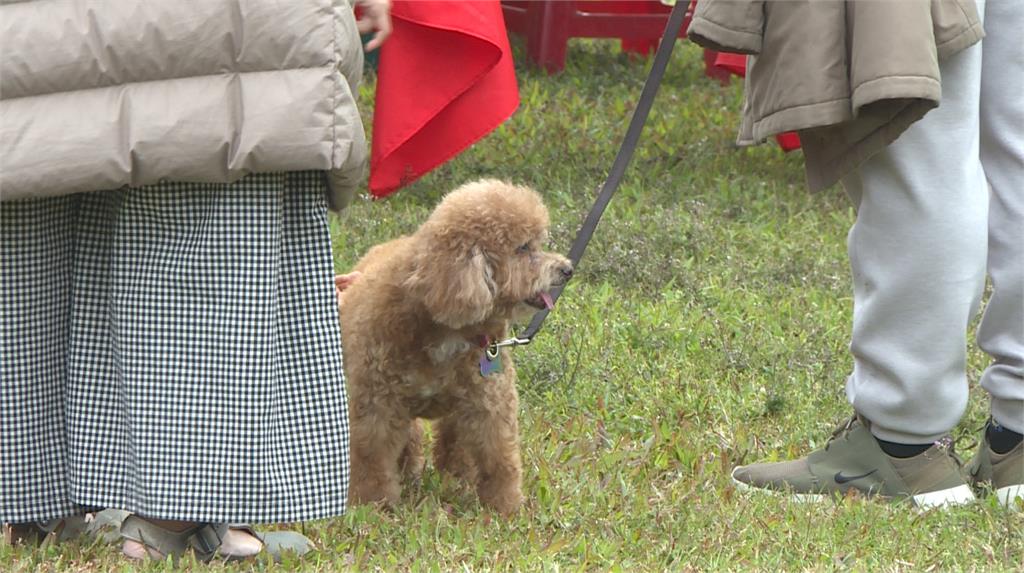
(494, 347)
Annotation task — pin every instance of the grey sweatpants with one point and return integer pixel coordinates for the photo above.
(940, 207)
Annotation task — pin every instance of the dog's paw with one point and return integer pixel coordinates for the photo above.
(506, 499)
(379, 492)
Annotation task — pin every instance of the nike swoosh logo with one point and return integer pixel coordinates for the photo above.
(840, 478)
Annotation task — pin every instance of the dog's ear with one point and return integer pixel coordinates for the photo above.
(457, 288)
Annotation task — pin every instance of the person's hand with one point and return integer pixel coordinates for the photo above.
(342, 282)
(376, 16)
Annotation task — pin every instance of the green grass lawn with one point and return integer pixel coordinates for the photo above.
(707, 326)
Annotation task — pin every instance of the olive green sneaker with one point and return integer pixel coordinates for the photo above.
(853, 460)
(1000, 474)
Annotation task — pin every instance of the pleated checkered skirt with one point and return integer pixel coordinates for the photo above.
(172, 350)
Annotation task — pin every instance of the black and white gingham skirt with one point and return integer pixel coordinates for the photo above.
(172, 350)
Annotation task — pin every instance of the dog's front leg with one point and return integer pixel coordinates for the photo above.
(450, 455)
(491, 435)
(379, 434)
(411, 461)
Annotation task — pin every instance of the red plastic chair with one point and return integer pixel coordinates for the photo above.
(548, 25)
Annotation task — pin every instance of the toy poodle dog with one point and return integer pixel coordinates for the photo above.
(416, 326)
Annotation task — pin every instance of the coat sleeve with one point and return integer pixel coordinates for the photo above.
(350, 153)
(728, 25)
(956, 26)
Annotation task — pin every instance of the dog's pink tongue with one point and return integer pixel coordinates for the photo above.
(548, 303)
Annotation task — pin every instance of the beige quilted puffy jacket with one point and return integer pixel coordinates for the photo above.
(98, 94)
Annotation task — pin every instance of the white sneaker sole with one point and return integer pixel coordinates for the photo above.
(959, 495)
(1009, 494)
(797, 497)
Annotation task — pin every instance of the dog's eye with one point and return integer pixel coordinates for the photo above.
(523, 249)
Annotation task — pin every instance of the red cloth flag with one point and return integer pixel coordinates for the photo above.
(445, 80)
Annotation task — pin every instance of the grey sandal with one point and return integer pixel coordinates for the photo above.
(40, 532)
(103, 524)
(277, 543)
(205, 539)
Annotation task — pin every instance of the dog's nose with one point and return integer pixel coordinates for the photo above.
(566, 272)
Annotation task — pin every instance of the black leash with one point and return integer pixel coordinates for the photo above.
(636, 125)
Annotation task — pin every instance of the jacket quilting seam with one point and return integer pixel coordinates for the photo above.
(168, 79)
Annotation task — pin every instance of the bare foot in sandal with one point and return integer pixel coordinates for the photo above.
(157, 538)
(235, 543)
